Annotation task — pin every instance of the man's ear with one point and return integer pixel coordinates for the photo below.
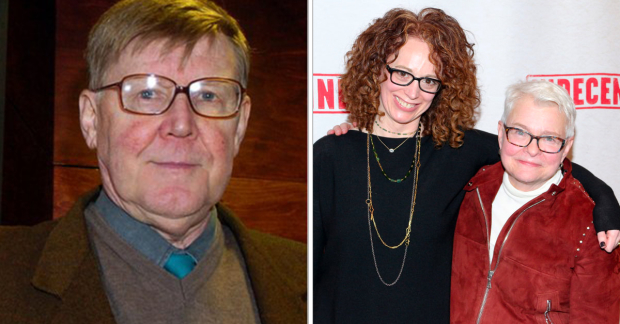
(88, 117)
(244, 116)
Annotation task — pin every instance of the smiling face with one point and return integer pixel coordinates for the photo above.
(527, 167)
(403, 106)
(166, 170)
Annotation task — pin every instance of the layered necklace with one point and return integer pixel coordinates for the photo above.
(371, 210)
(374, 150)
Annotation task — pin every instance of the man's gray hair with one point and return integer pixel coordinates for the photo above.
(177, 22)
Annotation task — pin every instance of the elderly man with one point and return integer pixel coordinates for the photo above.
(166, 110)
(525, 249)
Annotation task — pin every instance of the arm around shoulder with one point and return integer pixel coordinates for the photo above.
(595, 284)
(607, 209)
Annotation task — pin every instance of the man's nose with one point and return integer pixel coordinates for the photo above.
(180, 119)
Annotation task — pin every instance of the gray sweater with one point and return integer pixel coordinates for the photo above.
(218, 290)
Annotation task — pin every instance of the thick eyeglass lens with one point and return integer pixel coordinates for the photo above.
(215, 98)
(401, 77)
(149, 94)
(428, 84)
(549, 144)
(404, 78)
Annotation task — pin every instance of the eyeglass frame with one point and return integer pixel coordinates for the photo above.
(392, 70)
(177, 89)
(532, 137)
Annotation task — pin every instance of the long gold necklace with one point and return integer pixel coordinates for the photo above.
(371, 210)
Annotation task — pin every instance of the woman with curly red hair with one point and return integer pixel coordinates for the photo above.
(386, 198)
(452, 59)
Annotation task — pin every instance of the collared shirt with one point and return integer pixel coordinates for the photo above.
(217, 290)
(145, 239)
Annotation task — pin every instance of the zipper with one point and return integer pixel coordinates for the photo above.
(486, 294)
(547, 317)
(492, 272)
(486, 225)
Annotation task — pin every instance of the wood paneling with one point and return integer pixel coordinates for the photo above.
(69, 184)
(277, 207)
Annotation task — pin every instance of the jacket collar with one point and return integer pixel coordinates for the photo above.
(68, 269)
(490, 177)
(274, 287)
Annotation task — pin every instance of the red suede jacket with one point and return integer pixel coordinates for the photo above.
(547, 266)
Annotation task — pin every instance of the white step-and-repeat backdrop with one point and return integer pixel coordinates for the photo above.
(575, 43)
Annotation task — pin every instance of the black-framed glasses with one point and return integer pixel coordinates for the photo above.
(151, 94)
(404, 78)
(548, 144)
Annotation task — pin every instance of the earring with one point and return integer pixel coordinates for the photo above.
(561, 165)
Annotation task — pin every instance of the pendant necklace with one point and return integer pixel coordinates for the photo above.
(371, 210)
(381, 167)
(392, 149)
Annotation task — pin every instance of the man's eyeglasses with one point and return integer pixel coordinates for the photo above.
(548, 144)
(150, 94)
(404, 78)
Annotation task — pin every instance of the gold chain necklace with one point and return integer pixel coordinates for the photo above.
(392, 149)
(371, 217)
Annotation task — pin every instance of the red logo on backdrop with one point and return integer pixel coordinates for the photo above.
(588, 90)
(325, 98)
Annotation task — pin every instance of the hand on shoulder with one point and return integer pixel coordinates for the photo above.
(341, 129)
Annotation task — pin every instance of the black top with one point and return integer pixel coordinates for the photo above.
(347, 288)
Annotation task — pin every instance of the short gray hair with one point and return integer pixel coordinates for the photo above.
(543, 92)
(177, 22)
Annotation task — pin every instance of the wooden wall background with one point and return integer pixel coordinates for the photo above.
(268, 188)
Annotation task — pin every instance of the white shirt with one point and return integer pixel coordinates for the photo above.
(508, 200)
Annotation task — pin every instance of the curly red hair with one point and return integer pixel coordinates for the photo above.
(454, 108)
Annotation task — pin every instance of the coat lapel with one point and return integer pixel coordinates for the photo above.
(278, 282)
(68, 269)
